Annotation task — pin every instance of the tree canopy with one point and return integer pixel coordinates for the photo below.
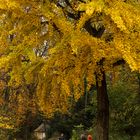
(54, 45)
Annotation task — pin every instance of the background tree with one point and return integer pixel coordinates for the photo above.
(124, 104)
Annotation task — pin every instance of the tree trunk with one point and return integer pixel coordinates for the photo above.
(102, 106)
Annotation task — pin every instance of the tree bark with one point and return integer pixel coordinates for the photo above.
(102, 106)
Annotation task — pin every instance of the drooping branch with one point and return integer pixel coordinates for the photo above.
(119, 62)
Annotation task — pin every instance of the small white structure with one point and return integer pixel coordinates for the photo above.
(41, 131)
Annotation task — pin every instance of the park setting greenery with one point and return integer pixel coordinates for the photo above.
(71, 64)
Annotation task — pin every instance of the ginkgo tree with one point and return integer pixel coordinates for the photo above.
(55, 44)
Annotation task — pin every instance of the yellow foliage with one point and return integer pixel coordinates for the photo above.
(91, 6)
(58, 67)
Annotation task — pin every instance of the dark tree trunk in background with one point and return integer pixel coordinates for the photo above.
(138, 86)
(102, 97)
(102, 106)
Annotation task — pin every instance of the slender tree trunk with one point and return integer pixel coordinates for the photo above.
(85, 90)
(102, 106)
(139, 83)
